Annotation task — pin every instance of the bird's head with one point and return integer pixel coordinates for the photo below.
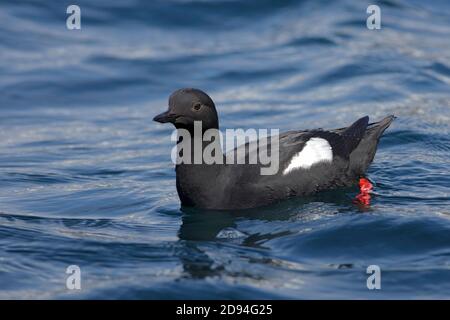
(189, 105)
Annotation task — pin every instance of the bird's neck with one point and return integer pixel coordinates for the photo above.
(199, 148)
(199, 165)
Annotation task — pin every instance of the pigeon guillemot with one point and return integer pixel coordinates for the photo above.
(309, 160)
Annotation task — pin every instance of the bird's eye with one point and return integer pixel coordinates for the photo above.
(197, 106)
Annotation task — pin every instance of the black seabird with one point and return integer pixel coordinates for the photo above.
(309, 161)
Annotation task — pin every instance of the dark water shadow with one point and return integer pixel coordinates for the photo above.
(202, 227)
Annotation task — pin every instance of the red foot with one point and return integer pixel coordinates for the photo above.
(365, 187)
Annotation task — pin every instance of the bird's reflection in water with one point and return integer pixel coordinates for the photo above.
(202, 230)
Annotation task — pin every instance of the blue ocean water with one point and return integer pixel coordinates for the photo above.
(86, 177)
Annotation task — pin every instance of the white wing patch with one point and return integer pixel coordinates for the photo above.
(315, 150)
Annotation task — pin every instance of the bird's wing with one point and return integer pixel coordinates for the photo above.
(291, 143)
(342, 142)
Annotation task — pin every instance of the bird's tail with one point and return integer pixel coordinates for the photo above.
(377, 128)
(363, 155)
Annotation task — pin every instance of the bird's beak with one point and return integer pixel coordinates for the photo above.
(165, 117)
